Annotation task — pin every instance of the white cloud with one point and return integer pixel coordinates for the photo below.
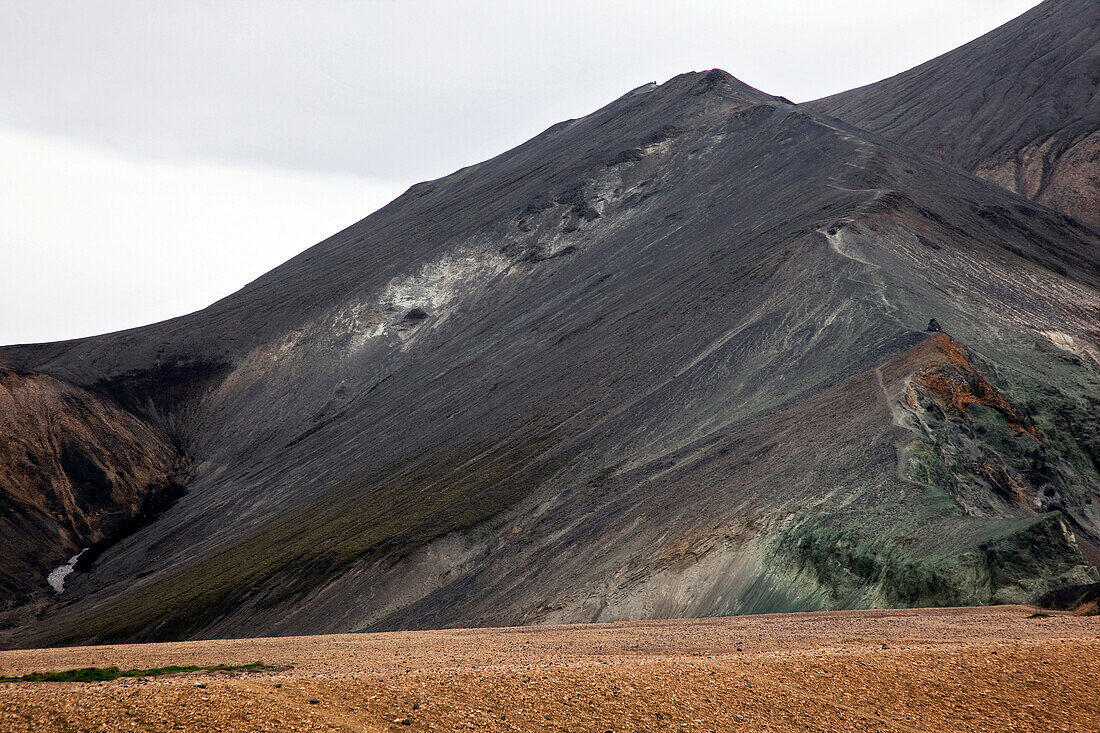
(93, 242)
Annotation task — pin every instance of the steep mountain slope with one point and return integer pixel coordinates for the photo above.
(1019, 107)
(667, 359)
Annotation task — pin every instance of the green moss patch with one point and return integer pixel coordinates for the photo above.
(103, 674)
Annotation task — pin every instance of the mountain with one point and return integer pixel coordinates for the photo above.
(1019, 107)
(700, 352)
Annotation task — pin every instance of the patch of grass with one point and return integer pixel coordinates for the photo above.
(1039, 614)
(102, 674)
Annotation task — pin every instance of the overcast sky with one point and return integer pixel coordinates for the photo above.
(157, 156)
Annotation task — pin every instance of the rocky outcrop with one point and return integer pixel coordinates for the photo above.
(1083, 600)
(76, 471)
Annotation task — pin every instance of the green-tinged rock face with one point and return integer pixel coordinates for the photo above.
(1023, 558)
(1027, 563)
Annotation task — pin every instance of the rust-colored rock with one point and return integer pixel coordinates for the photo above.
(74, 468)
(951, 379)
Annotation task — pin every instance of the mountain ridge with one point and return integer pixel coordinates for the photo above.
(1029, 122)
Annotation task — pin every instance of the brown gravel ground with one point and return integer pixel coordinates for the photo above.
(990, 669)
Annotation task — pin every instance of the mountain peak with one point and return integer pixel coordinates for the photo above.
(685, 100)
(715, 82)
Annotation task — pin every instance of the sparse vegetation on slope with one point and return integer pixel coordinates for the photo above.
(104, 674)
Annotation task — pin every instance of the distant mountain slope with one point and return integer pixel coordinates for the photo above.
(1019, 106)
(672, 358)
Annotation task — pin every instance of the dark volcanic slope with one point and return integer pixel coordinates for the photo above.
(668, 359)
(1018, 106)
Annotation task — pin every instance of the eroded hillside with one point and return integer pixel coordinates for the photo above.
(76, 472)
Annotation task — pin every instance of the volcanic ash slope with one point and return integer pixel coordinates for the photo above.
(669, 359)
(1019, 106)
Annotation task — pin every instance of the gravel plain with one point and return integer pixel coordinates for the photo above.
(991, 669)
